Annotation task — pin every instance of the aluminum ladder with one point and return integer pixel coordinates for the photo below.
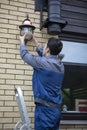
(24, 122)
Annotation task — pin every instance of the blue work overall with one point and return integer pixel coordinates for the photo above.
(47, 81)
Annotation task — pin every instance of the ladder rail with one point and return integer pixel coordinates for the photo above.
(25, 122)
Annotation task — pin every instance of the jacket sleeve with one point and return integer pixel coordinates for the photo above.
(34, 61)
(39, 50)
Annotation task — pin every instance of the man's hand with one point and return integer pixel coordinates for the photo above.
(33, 39)
(61, 56)
(22, 39)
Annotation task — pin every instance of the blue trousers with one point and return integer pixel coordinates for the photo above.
(47, 118)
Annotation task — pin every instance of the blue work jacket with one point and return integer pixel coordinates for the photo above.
(47, 77)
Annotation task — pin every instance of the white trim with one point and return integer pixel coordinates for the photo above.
(73, 122)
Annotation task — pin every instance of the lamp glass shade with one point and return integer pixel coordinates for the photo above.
(28, 31)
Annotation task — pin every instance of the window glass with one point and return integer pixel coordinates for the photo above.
(74, 52)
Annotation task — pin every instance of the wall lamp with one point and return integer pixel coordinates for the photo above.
(53, 22)
(28, 28)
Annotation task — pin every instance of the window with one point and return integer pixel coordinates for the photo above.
(74, 89)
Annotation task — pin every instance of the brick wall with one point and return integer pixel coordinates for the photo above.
(13, 71)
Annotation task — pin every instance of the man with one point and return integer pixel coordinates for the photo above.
(47, 81)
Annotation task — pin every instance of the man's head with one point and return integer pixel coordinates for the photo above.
(53, 47)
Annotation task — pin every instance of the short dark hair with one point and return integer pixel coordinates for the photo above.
(55, 45)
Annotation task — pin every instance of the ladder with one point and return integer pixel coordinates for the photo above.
(24, 122)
